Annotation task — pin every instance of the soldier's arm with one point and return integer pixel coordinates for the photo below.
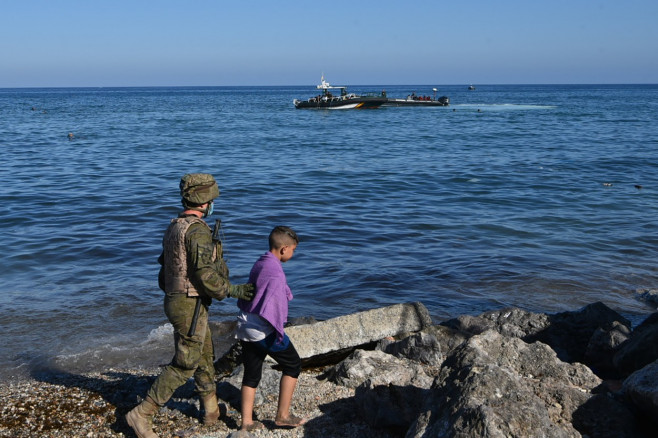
(201, 269)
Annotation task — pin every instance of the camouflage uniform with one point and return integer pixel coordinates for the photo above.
(188, 248)
(193, 271)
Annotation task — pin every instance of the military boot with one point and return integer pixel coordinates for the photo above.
(140, 418)
(211, 408)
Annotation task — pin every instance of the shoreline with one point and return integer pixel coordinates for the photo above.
(411, 377)
(94, 405)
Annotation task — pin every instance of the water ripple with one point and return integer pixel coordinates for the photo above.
(544, 199)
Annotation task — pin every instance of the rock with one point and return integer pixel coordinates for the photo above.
(447, 337)
(498, 386)
(648, 295)
(421, 347)
(226, 364)
(391, 407)
(569, 333)
(512, 322)
(350, 331)
(601, 349)
(379, 368)
(240, 434)
(490, 384)
(330, 341)
(506, 372)
(641, 349)
(641, 387)
(604, 416)
(389, 390)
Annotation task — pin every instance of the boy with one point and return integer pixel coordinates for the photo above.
(260, 330)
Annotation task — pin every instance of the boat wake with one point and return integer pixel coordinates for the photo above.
(502, 107)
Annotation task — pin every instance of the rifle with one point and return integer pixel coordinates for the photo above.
(197, 307)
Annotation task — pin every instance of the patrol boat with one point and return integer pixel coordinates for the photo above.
(414, 100)
(327, 100)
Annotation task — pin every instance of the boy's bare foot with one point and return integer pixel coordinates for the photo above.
(291, 421)
(252, 426)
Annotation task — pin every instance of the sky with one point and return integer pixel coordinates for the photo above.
(103, 43)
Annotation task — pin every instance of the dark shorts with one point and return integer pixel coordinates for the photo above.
(253, 355)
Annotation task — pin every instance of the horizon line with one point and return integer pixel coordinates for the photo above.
(309, 85)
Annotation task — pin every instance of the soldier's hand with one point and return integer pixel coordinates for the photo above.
(242, 291)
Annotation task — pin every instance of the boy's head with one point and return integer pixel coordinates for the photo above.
(283, 241)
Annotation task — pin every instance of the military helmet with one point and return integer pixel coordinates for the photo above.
(198, 188)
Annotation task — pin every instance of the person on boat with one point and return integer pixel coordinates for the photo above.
(193, 271)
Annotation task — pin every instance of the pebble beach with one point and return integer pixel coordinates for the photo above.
(94, 405)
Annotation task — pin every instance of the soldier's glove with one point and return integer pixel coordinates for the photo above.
(242, 291)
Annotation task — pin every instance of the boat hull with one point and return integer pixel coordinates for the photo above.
(339, 103)
(442, 101)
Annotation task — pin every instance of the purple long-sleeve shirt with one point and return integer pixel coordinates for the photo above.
(272, 293)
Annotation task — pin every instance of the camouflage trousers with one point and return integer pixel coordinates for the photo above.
(193, 356)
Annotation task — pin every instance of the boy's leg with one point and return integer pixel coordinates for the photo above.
(286, 390)
(291, 366)
(252, 358)
(247, 405)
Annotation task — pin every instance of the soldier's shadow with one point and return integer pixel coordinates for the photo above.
(121, 391)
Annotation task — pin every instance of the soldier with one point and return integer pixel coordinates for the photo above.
(193, 269)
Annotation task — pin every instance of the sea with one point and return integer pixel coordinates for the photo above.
(540, 197)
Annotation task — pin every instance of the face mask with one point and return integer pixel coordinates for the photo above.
(209, 209)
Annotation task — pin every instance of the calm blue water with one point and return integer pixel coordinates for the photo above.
(513, 196)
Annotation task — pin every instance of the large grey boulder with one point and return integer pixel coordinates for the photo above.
(349, 331)
(603, 345)
(641, 349)
(389, 390)
(608, 415)
(330, 341)
(449, 338)
(641, 388)
(422, 347)
(511, 322)
(391, 407)
(497, 386)
(568, 333)
(380, 369)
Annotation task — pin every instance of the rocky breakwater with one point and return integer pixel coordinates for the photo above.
(392, 372)
(505, 373)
